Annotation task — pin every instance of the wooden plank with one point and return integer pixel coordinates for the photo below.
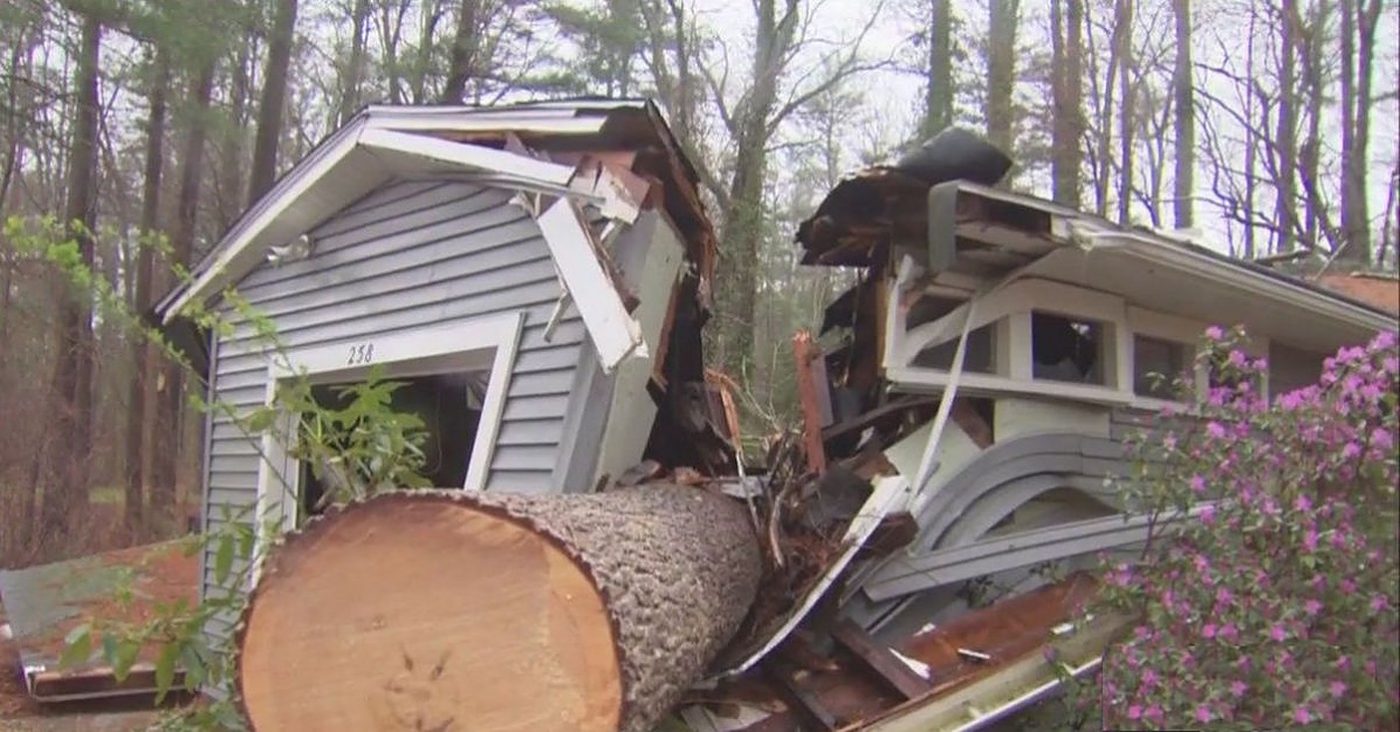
(880, 660)
(809, 360)
(806, 705)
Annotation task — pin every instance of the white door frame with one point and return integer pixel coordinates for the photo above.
(482, 343)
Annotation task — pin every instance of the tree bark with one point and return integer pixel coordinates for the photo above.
(1183, 180)
(432, 13)
(274, 98)
(354, 75)
(1285, 137)
(169, 391)
(1001, 73)
(744, 221)
(68, 455)
(1359, 21)
(938, 97)
(231, 188)
(141, 297)
(466, 47)
(1067, 124)
(1127, 117)
(564, 611)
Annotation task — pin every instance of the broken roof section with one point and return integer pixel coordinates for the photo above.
(961, 232)
(617, 157)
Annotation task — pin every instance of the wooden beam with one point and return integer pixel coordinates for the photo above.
(811, 389)
(804, 704)
(880, 660)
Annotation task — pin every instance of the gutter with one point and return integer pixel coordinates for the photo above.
(1029, 698)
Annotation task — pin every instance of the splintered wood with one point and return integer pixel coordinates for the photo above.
(447, 610)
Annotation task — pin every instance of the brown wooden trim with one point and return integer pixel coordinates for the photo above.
(880, 660)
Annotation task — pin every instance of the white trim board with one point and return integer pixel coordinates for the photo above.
(477, 344)
(615, 333)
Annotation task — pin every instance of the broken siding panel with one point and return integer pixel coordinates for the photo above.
(512, 274)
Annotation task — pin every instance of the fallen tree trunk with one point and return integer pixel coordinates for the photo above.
(452, 610)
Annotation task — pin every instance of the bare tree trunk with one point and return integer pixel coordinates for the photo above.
(1285, 137)
(614, 603)
(1067, 127)
(274, 98)
(169, 393)
(1123, 42)
(68, 456)
(141, 298)
(466, 47)
(1359, 22)
(743, 227)
(231, 187)
(1001, 72)
(1104, 133)
(938, 98)
(432, 13)
(1183, 182)
(1309, 152)
(354, 75)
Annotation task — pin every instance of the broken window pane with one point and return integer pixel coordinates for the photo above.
(980, 357)
(1067, 349)
(1157, 366)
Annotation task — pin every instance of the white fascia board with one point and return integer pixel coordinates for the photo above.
(264, 212)
(475, 157)
(1228, 273)
(615, 333)
(553, 124)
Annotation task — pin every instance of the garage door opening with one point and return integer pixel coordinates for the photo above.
(449, 406)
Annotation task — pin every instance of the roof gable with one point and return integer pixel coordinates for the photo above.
(599, 145)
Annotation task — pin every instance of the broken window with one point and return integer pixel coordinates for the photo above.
(980, 355)
(1067, 349)
(1158, 364)
(449, 406)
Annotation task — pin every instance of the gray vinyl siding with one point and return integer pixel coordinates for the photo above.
(412, 254)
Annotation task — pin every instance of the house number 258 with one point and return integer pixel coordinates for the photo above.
(361, 353)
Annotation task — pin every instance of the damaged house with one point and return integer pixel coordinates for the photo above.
(538, 275)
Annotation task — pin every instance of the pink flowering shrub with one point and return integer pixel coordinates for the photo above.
(1275, 604)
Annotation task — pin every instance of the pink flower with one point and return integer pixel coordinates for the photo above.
(1238, 688)
(1134, 712)
(1215, 430)
(1202, 713)
(1301, 715)
(1351, 451)
(1378, 603)
(1278, 632)
(1208, 632)
(1348, 586)
(1215, 333)
(1337, 688)
(1310, 540)
(1208, 515)
(1302, 504)
(1312, 606)
(1149, 679)
(1198, 484)
(1223, 596)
